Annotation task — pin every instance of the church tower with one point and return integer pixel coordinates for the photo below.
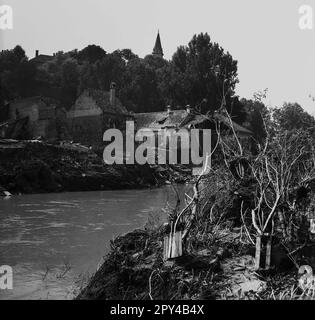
(157, 50)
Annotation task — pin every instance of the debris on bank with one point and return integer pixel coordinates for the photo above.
(35, 166)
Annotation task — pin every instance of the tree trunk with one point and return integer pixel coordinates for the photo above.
(263, 252)
(173, 245)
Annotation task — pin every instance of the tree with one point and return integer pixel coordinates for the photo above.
(69, 82)
(256, 111)
(292, 117)
(91, 54)
(126, 54)
(110, 68)
(204, 72)
(17, 75)
(140, 91)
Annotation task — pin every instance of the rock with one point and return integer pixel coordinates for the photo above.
(253, 285)
(204, 252)
(136, 255)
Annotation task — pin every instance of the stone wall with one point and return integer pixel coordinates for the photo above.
(42, 117)
(87, 122)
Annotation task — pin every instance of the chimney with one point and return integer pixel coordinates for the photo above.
(112, 94)
(36, 53)
(188, 108)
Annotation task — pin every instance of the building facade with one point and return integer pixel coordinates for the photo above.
(93, 113)
(38, 112)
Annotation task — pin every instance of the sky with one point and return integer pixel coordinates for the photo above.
(263, 36)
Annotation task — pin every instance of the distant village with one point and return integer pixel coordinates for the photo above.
(94, 111)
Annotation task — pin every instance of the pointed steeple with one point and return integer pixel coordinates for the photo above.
(157, 50)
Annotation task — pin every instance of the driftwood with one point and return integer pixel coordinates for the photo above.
(263, 252)
(173, 245)
(173, 241)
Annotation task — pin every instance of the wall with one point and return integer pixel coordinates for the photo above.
(84, 106)
(25, 108)
(87, 122)
(86, 129)
(42, 119)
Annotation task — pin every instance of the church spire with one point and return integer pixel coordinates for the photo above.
(157, 50)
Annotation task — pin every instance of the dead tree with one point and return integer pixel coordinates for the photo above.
(180, 224)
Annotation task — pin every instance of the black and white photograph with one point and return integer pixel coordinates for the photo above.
(157, 150)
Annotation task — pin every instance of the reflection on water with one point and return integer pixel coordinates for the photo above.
(52, 240)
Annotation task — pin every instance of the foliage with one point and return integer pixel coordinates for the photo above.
(292, 117)
(197, 75)
(16, 75)
(201, 71)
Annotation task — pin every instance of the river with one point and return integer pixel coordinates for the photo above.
(54, 242)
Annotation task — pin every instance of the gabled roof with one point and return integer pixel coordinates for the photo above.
(41, 59)
(102, 99)
(160, 120)
(181, 119)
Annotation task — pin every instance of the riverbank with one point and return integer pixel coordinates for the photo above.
(67, 232)
(135, 270)
(38, 167)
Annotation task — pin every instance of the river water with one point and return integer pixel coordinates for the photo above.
(54, 242)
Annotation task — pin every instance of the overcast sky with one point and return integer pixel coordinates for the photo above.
(264, 36)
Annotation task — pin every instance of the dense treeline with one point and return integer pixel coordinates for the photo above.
(201, 74)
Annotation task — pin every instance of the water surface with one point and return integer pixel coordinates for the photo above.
(54, 241)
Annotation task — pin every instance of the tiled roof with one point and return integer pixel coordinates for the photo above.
(42, 58)
(102, 99)
(160, 120)
(180, 119)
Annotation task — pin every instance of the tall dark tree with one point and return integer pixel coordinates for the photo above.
(17, 75)
(111, 68)
(256, 112)
(140, 91)
(126, 54)
(91, 53)
(205, 72)
(292, 117)
(69, 83)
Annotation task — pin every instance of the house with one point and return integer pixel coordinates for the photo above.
(41, 59)
(171, 121)
(185, 118)
(37, 115)
(93, 113)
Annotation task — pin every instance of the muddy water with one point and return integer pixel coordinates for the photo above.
(54, 241)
